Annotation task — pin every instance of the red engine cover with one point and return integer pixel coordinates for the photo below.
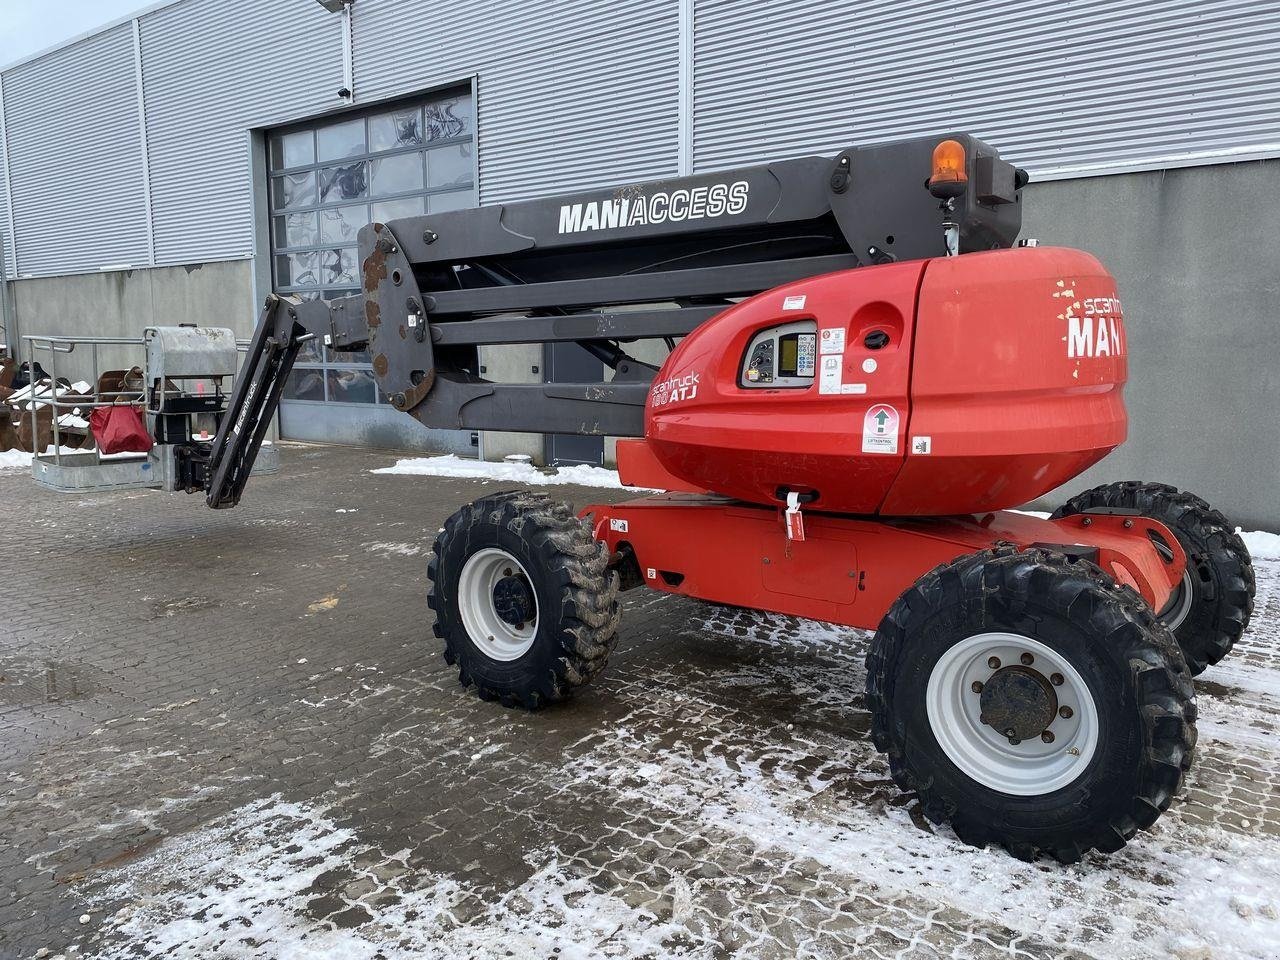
(1001, 378)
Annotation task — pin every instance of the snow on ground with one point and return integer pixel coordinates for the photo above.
(246, 886)
(1262, 545)
(788, 830)
(726, 826)
(20, 459)
(521, 473)
(14, 459)
(1155, 895)
(391, 549)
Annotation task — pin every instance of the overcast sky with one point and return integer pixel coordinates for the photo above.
(31, 25)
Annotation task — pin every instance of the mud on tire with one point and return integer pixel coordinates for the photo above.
(1220, 580)
(560, 572)
(1129, 664)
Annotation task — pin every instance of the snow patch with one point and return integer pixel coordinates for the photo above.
(1262, 545)
(280, 879)
(1153, 896)
(394, 549)
(17, 459)
(520, 473)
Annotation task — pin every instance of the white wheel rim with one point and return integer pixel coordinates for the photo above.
(1180, 602)
(495, 637)
(1031, 767)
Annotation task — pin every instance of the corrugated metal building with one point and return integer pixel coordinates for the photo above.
(211, 135)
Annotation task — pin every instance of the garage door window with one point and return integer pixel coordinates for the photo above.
(329, 180)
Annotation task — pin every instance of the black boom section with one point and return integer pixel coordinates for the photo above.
(639, 261)
(254, 401)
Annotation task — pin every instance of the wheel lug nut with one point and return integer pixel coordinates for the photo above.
(506, 572)
(1056, 679)
(1014, 741)
(1066, 713)
(1047, 736)
(976, 686)
(1027, 659)
(994, 663)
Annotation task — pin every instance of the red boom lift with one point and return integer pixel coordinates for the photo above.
(870, 374)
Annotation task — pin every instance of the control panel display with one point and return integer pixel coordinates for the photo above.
(782, 356)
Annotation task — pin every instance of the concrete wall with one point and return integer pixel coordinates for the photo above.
(512, 364)
(1196, 255)
(124, 303)
(515, 364)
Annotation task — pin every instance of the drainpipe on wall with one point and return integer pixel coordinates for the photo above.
(348, 89)
(348, 56)
(8, 315)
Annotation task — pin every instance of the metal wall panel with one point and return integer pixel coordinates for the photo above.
(1061, 88)
(211, 71)
(569, 95)
(8, 266)
(75, 159)
(573, 95)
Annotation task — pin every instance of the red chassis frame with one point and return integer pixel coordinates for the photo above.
(850, 570)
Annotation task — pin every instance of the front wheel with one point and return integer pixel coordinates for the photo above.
(523, 599)
(1210, 608)
(1031, 702)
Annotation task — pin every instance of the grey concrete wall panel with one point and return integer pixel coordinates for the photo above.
(570, 95)
(382, 427)
(1194, 254)
(75, 157)
(124, 303)
(211, 71)
(1063, 89)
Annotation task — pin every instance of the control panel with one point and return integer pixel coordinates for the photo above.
(781, 356)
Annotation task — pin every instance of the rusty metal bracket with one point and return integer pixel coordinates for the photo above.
(394, 314)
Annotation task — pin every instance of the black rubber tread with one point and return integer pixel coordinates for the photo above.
(1223, 584)
(577, 595)
(1116, 642)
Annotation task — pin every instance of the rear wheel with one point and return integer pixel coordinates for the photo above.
(1211, 608)
(1031, 702)
(523, 599)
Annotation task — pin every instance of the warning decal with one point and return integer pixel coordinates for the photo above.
(832, 373)
(880, 430)
(832, 340)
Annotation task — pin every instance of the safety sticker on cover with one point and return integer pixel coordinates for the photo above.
(832, 370)
(880, 430)
(832, 340)
(794, 302)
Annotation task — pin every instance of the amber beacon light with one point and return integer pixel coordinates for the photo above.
(947, 178)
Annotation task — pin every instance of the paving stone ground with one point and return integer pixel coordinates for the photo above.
(231, 734)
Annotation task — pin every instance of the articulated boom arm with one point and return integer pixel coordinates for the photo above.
(254, 400)
(602, 269)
